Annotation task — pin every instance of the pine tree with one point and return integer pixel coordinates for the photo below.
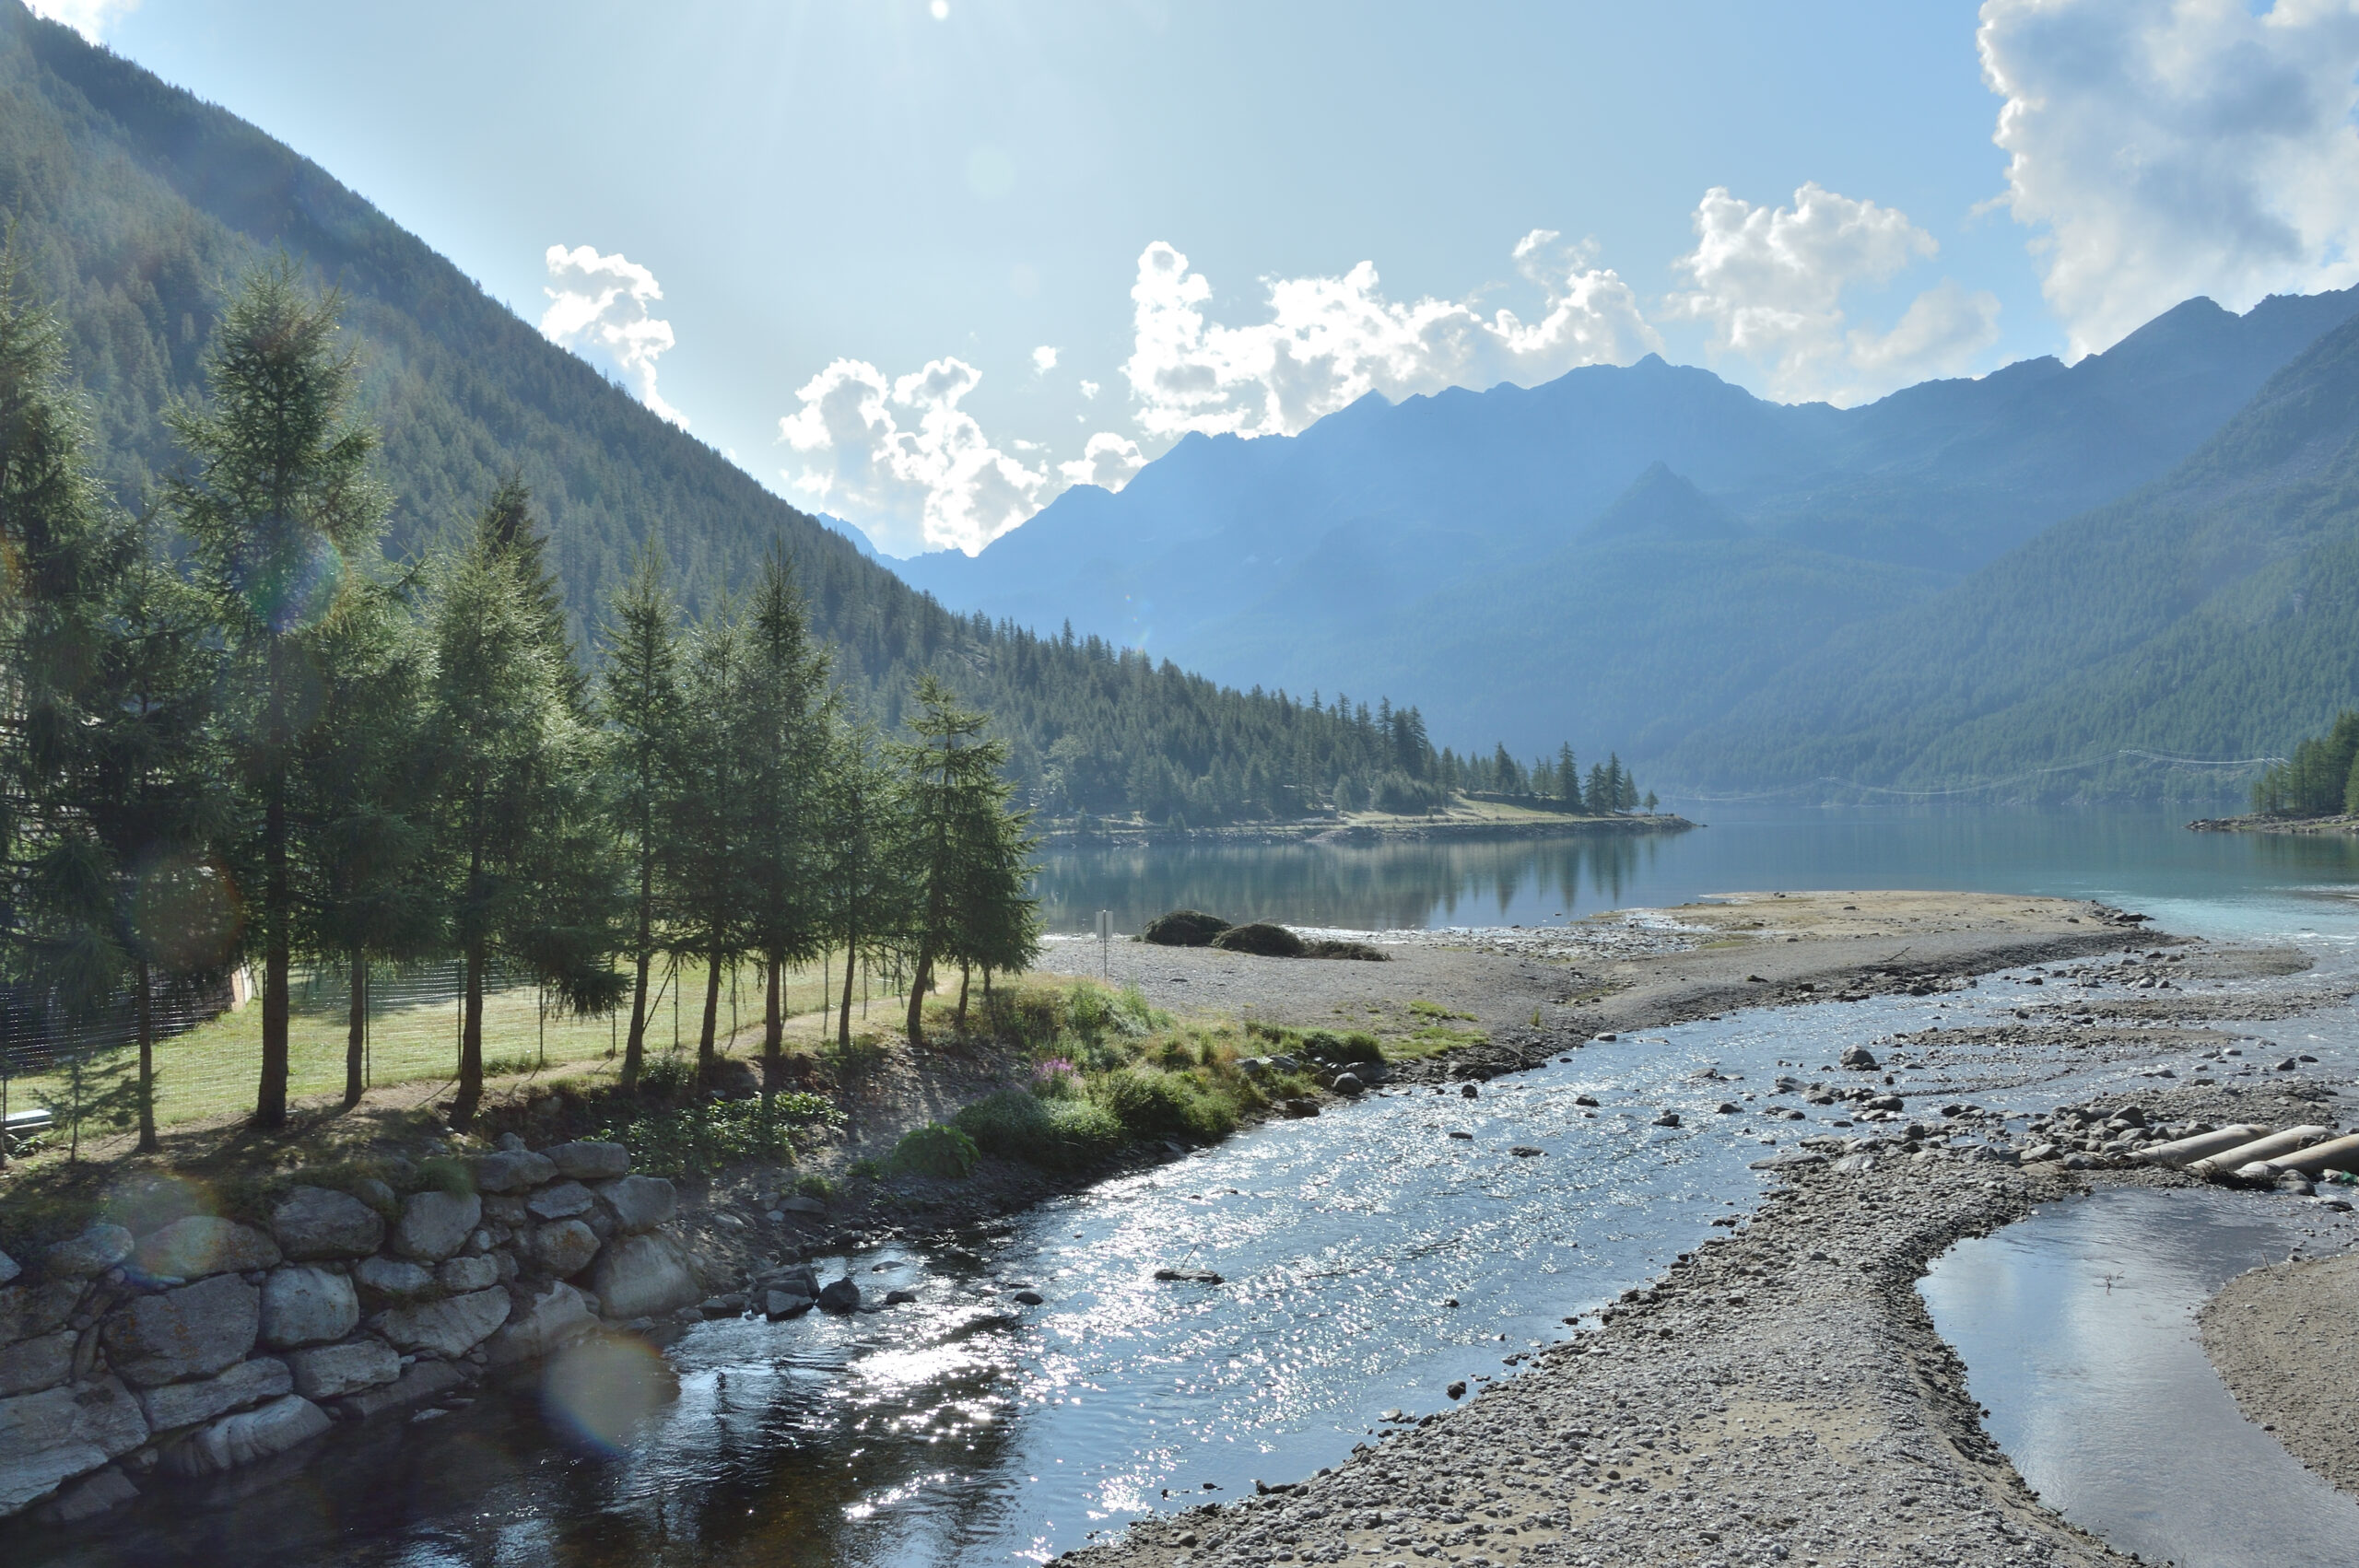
(956, 842)
(785, 719)
(1600, 790)
(713, 810)
(1569, 776)
(639, 707)
(281, 498)
(861, 878)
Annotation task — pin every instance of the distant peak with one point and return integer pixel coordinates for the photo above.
(1661, 504)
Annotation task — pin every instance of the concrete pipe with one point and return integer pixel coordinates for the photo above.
(2335, 1154)
(2179, 1155)
(2260, 1150)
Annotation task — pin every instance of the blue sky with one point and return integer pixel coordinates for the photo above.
(867, 222)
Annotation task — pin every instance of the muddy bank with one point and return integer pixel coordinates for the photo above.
(1778, 1395)
(2285, 1340)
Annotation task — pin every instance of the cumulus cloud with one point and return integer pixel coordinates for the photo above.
(89, 17)
(1044, 360)
(2204, 146)
(1089, 389)
(917, 467)
(599, 307)
(1769, 283)
(1330, 340)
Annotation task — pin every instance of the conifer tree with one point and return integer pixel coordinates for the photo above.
(280, 498)
(1600, 790)
(1568, 775)
(639, 704)
(862, 875)
(954, 833)
(785, 720)
(713, 809)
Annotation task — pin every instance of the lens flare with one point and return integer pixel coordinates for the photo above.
(289, 583)
(598, 1389)
(184, 914)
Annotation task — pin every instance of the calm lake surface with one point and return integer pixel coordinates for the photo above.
(967, 1430)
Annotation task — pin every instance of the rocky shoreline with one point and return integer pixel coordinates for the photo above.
(1392, 830)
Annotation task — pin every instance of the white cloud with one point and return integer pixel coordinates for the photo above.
(918, 467)
(2204, 146)
(598, 308)
(1090, 389)
(1770, 282)
(1044, 360)
(1108, 461)
(1330, 340)
(91, 19)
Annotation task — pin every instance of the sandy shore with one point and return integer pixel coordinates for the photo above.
(1781, 1395)
(2287, 1341)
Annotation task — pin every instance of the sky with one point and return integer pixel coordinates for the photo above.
(923, 265)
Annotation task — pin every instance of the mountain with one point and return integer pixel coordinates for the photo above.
(134, 206)
(1619, 555)
(2213, 614)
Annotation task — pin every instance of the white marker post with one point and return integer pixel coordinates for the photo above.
(1106, 944)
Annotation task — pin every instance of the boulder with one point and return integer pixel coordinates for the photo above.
(28, 1310)
(800, 1204)
(192, 1404)
(436, 1224)
(95, 1251)
(30, 1365)
(242, 1439)
(329, 1371)
(639, 1203)
(787, 1301)
(47, 1439)
(589, 1162)
(565, 1249)
(1859, 1059)
(513, 1170)
(447, 1328)
(458, 1275)
(557, 1317)
(193, 1331)
(316, 1222)
(377, 1194)
(841, 1295)
(422, 1380)
(639, 1275)
(1183, 928)
(307, 1306)
(391, 1277)
(89, 1497)
(562, 1201)
(8, 1269)
(202, 1244)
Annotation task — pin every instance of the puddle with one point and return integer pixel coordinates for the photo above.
(2078, 1329)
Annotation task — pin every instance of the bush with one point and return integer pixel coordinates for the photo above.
(1338, 1050)
(944, 1153)
(1330, 947)
(1184, 927)
(696, 1140)
(1154, 1103)
(1053, 1134)
(1261, 938)
(1404, 796)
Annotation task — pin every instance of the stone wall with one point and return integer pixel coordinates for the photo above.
(208, 1343)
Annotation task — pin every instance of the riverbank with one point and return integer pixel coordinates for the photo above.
(2310, 824)
(1465, 821)
(2286, 1343)
(1778, 1395)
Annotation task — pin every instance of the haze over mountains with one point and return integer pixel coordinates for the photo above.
(1650, 554)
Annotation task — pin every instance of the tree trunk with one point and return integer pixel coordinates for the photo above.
(147, 1144)
(707, 1060)
(843, 1022)
(966, 973)
(270, 1099)
(920, 981)
(634, 1047)
(464, 1109)
(773, 1019)
(355, 1033)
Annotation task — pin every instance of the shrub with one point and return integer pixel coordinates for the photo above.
(1154, 1103)
(1331, 947)
(1053, 1134)
(1342, 1049)
(694, 1140)
(1261, 938)
(1184, 927)
(1404, 796)
(942, 1152)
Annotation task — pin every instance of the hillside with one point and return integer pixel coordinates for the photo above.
(2214, 613)
(135, 205)
(1531, 563)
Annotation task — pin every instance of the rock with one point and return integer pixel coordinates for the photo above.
(190, 1404)
(1727, 1107)
(1526, 1151)
(9, 1270)
(1468, 1091)
(639, 1275)
(556, 1317)
(1859, 1059)
(787, 1304)
(30, 1365)
(377, 1194)
(505, 1209)
(436, 1224)
(565, 1249)
(640, 1203)
(513, 1170)
(49, 1438)
(842, 1295)
(801, 1205)
(2035, 1154)
(424, 1380)
(89, 1497)
(1668, 1119)
(200, 1245)
(1189, 1276)
(315, 1222)
(459, 1275)
(1456, 1390)
(899, 1297)
(95, 1251)
(391, 1277)
(447, 1329)
(330, 1372)
(307, 1306)
(1349, 1084)
(560, 1202)
(242, 1439)
(193, 1331)
(1028, 1297)
(1795, 1160)
(1886, 1103)
(589, 1162)
(28, 1310)
(1585, 1099)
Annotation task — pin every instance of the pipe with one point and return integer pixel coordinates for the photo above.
(2179, 1155)
(2335, 1154)
(2230, 1160)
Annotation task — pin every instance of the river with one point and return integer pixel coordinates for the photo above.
(1369, 1258)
